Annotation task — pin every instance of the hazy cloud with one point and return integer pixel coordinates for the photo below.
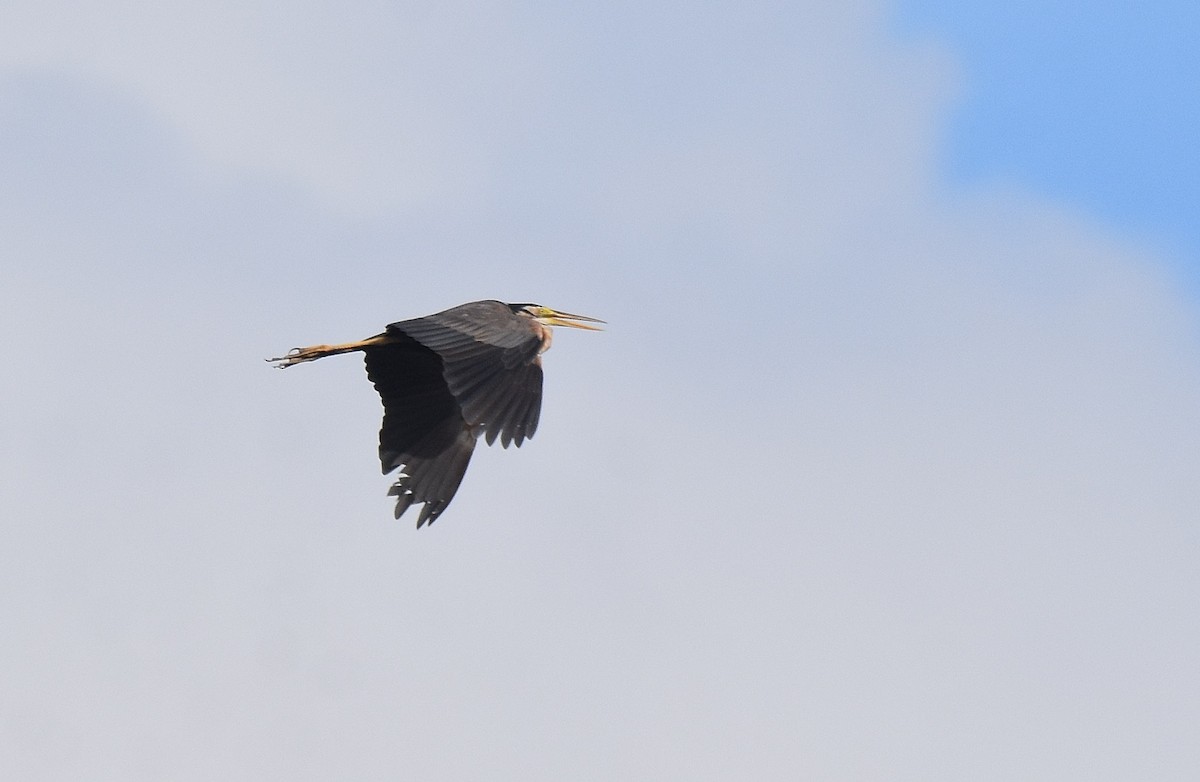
(861, 483)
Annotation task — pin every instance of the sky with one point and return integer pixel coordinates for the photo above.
(884, 468)
(1089, 103)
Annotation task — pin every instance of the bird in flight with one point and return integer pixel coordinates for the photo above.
(446, 379)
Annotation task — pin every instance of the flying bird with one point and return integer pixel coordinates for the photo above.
(445, 380)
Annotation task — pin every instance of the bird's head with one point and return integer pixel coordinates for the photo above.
(549, 317)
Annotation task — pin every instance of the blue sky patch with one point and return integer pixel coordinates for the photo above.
(1096, 103)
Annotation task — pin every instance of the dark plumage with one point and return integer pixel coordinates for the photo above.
(446, 379)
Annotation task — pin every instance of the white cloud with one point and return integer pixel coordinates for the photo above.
(860, 483)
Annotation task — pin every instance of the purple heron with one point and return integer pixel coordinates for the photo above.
(445, 380)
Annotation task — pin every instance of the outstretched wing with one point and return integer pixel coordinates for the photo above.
(444, 379)
(490, 364)
(423, 430)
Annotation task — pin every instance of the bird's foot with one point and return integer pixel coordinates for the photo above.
(299, 356)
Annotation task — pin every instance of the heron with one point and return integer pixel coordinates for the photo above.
(445, 380)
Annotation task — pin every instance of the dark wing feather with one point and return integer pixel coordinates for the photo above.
(490, 364)
(434, 481)
(520, 403)
(423, 429)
